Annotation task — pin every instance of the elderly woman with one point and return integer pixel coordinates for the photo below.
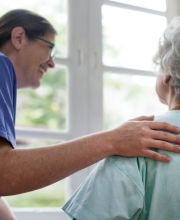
(138, 188)
(26, 44)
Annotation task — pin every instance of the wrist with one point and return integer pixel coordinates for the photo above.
(107, 137)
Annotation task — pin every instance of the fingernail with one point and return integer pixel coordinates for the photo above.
(168, 159)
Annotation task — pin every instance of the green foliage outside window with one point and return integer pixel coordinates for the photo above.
(45, 107)
(51, 196)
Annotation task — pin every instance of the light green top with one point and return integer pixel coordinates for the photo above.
(121, 188)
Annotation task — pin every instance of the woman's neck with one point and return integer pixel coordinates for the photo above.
(174, 103)
(175, 107)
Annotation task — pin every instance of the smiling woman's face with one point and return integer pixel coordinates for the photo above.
(35, 62)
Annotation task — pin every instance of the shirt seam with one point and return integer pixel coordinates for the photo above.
(133, 182)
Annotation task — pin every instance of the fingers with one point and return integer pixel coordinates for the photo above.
(165, 136)
(141, 136)
(162, 145)
(156, 156)
(164, 126)
(143, 118)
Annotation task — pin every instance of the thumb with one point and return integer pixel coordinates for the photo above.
(143, 118)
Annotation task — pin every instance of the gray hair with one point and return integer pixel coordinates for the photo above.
(168, 56)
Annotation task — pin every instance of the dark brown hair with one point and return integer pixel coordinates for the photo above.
(33, 24)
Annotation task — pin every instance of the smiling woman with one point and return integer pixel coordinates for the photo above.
(47, 106)
(31, 67)
(59, 114)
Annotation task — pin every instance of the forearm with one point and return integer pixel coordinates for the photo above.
(30, 169)
(24, 170)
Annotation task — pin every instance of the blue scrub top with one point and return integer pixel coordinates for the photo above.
(8, 90)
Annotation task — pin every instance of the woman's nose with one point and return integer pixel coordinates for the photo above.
(51, 63)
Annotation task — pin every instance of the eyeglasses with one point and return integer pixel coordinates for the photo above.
(50, 45)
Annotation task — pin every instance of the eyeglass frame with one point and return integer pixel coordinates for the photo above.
(51, 46)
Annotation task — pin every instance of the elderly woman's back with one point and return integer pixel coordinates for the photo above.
(122, 188)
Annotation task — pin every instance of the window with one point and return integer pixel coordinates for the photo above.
(130, 39)
(159, 5)
(103, 75)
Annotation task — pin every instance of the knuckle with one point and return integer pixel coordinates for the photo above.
(176, 139)
(156, 143)
(175, 148)
(143, 153)
(165, 125)
(162, 144)
(154, 156)
(166, 145)
(158, 157)
(172, 137)
(160, 135)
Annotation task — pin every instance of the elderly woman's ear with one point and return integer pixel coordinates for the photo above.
(167, 78)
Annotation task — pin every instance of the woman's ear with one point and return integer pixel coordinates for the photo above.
(167, 79)
(18, 37)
